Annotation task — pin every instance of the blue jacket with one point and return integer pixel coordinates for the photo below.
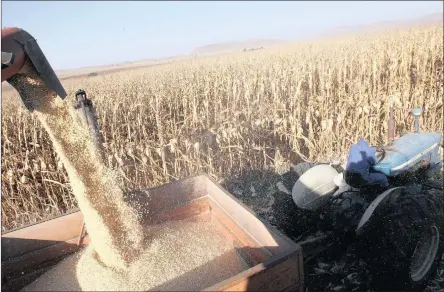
(360, 158)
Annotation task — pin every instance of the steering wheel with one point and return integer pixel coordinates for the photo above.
(380, 155)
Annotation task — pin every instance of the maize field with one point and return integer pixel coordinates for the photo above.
(224, 115)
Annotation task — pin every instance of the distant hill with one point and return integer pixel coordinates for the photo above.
(427, 19)
(229, 47)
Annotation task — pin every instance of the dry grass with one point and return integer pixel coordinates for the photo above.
(224, 115)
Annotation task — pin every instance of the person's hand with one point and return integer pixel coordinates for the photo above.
(379, 149)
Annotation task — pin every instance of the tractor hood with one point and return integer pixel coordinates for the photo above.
(408, 151)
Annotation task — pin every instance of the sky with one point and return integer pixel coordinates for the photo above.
(90, 33)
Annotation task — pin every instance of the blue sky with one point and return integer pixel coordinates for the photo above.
(89, 33)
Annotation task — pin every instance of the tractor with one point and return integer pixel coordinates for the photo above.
(399, 232)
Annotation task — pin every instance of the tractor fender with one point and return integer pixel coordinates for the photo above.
(311, 191)
(376, 208)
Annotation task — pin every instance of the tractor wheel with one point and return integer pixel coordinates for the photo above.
(404, 251)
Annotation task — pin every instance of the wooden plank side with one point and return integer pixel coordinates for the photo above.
(172, 194)
(250, 259)
(21, 280)
(257, 253)
(38, 236)
(265, 234)
(238, 281)
(32, 260)
(72, 211)
(186, 210)
(282, 275)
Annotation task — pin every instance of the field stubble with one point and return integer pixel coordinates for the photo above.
(224, 115)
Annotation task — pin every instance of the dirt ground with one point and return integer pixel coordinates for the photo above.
(269, 194)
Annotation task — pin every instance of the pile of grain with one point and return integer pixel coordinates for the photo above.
(183, 256)
(113, 226)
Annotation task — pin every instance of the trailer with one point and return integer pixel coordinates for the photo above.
(275, 261)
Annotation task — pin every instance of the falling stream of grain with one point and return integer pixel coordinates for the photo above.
(113, 226)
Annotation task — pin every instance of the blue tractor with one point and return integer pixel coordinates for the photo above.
(400, 232)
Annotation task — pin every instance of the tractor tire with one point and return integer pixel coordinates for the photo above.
(405, 250)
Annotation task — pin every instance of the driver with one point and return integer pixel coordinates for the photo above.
(357, 172)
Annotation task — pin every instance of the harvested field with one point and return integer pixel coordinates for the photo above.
(231, 115)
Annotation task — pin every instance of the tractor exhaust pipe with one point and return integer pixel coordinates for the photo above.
(416, 113)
